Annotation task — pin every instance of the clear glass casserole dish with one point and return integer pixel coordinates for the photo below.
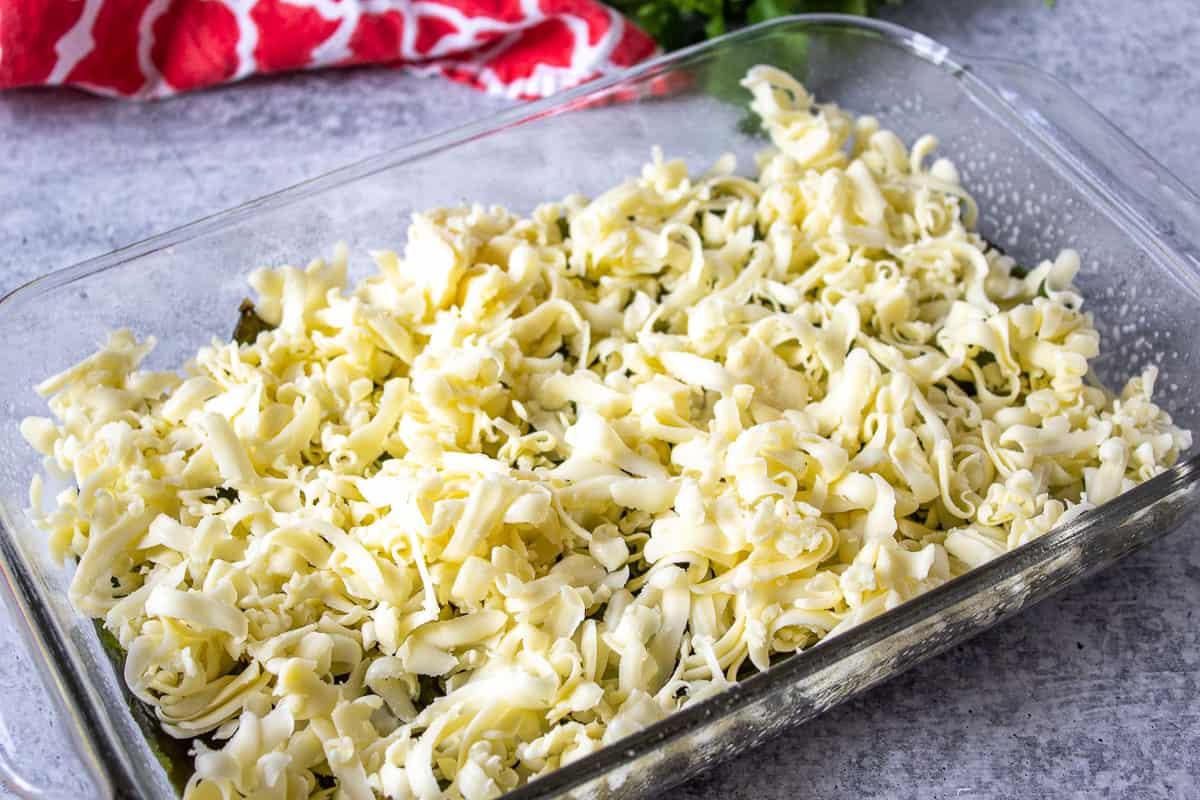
(1047, 170)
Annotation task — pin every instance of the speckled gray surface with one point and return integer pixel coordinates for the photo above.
(1095, 693)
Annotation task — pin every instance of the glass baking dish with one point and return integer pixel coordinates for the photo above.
(1047, 170)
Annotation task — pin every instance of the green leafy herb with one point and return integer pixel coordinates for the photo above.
(171, 753)
(750, 124)
(227, 493)
(677, 23)
(967, 387)
(993, 246)
(249, 324)
(109, 642)
(429, 689)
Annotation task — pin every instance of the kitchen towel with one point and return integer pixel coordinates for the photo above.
(146, 49)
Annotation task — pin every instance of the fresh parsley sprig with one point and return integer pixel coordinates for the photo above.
(676, 23)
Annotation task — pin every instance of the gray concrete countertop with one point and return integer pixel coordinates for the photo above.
(1095, 693)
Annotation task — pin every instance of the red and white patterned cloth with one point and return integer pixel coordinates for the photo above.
(145, 49)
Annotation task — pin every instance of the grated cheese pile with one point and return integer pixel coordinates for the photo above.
(541, 481)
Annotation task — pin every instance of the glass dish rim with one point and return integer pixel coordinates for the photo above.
(107, 760)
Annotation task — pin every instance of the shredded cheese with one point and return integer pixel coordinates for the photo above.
(541, 481)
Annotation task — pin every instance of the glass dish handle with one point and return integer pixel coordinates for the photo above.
(1097, 149)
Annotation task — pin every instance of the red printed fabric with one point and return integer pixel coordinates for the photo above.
(146, 49)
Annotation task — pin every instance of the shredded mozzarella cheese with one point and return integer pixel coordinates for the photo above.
(541, 481)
